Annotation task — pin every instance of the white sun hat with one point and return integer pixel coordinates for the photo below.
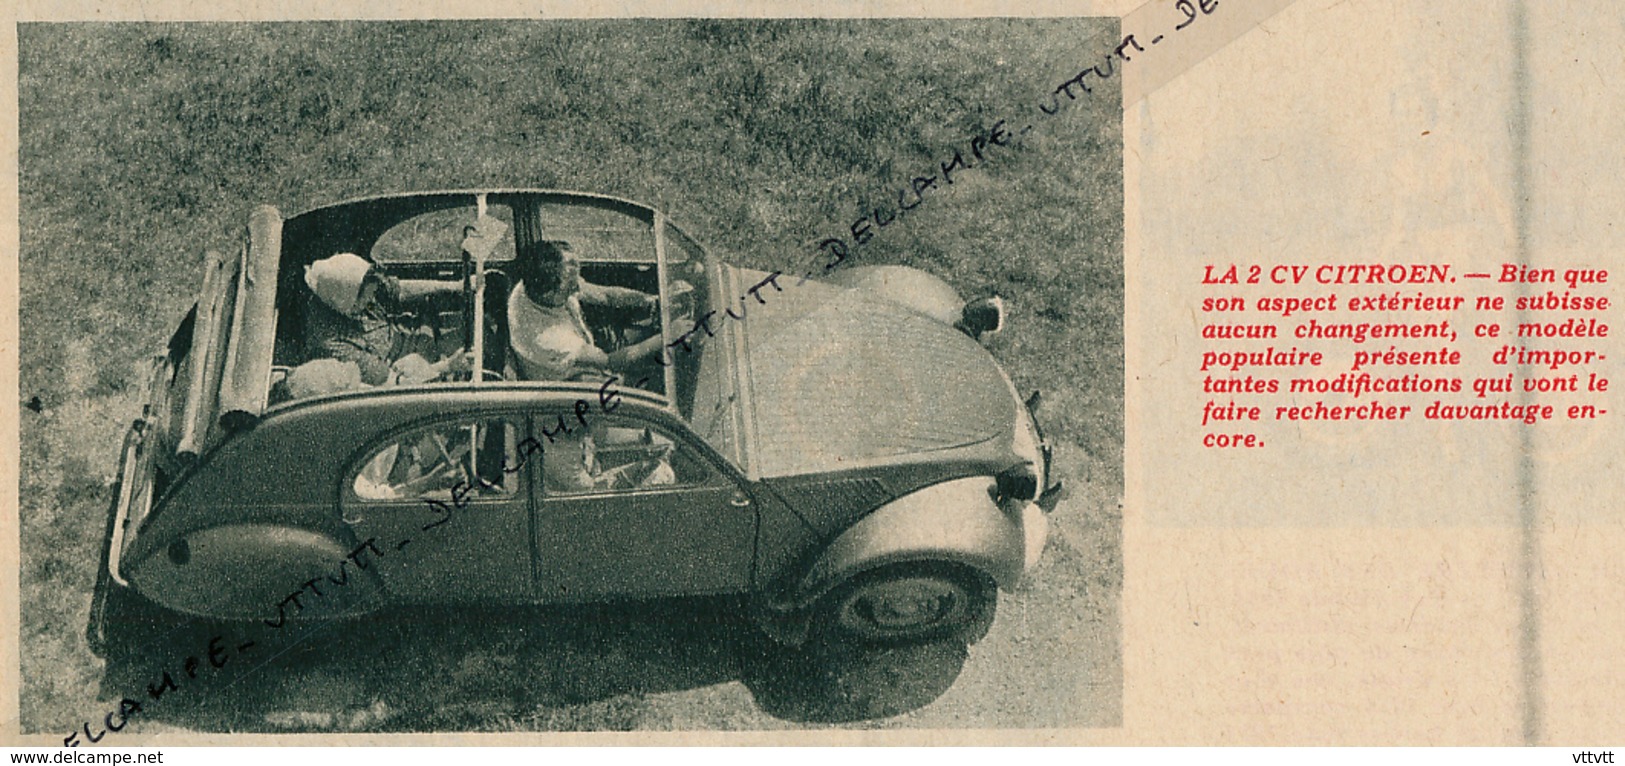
(337, 280)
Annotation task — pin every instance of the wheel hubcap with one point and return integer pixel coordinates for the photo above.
(898, 607)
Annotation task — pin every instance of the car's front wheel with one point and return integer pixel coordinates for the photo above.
(911, 602)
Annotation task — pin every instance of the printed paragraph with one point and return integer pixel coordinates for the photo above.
(1316, 344)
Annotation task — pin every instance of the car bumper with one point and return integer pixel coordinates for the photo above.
(108, 576)
(1035, 530)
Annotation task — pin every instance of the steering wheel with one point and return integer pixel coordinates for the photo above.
(450, 467)
(631, 475)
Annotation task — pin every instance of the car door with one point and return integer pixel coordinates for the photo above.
(626, 508)
(445, 507)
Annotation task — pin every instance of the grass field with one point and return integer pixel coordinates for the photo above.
(142, 145)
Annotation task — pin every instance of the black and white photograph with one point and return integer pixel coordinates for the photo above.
(589, 375)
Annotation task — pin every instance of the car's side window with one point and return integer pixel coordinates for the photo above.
(617, 454)
(468, 458)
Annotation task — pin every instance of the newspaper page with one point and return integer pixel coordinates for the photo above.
(1180, 372)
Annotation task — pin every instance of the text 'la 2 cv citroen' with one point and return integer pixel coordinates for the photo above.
(398, 400)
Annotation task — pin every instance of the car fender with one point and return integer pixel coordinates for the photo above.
(956, 521)
(249, 571)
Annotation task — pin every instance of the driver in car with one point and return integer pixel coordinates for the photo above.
(350, 318)
(550, 339)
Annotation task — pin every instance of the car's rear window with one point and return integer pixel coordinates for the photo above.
(596, 234)
(438, 236)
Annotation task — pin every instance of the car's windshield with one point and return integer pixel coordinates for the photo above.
(704, 386)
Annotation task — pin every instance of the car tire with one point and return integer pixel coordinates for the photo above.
(909, 603)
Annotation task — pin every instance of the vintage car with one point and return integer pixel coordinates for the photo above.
(841, 452)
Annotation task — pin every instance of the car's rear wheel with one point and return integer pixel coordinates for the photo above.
(905, 603)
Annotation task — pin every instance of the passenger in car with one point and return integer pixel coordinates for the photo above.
(550, 339)
(349, 318)
(419, 466)
(333, 376)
